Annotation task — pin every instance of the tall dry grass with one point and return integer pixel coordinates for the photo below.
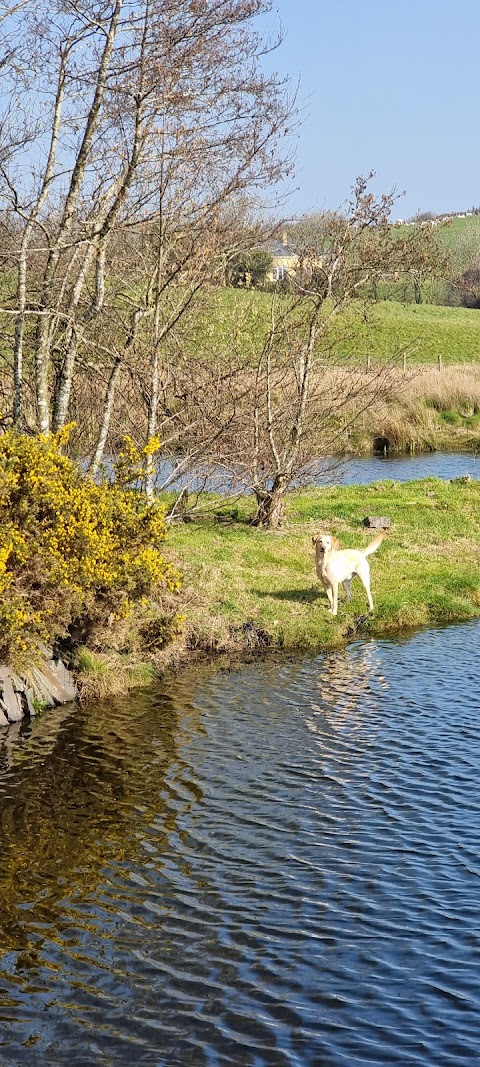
(454, 388)
(409, 412)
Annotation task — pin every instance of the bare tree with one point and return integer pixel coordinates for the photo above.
(302, 388)
(151, 118)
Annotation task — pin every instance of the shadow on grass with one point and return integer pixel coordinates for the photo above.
(300, 596)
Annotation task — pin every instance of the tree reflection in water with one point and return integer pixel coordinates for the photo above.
(77, 787)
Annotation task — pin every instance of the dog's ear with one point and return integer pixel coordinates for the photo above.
(314, 540)
(335, 542)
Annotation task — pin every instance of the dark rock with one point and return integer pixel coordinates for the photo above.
(41, 689)
(49, 683)
(9, 702)
(25, 694)
(64, 679)
(377, 522)
(27, 698)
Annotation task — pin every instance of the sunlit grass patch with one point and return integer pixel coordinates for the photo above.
(100, 675)
(426, 572)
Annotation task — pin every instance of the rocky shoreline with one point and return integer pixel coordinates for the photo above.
(45, 685)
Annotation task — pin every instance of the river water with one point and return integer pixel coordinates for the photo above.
(361, 470)
(276, 865)
(403, 468)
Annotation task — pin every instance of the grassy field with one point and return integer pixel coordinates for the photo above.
(424, 332)
(455, 231)
(240, 319)
(426, 408)
(245, 588)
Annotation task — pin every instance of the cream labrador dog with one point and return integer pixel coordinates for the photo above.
(335, 565)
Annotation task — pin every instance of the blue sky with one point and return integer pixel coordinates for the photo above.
(391, 87)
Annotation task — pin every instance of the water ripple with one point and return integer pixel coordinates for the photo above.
(274, 866)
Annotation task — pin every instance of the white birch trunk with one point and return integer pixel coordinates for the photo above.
(107, 415)
(43, 345)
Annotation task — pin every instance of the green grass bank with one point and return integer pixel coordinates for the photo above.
(245, 589)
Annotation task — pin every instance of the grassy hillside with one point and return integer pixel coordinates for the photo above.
(425, 332)
(454, 231)
(239, 319)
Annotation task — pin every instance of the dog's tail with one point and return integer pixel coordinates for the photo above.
(372, 547)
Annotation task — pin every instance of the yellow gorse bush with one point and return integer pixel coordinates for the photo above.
(134, 464)
(72, 552)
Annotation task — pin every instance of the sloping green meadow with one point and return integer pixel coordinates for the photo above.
(424, 332)
(453, 232)
(236, 319)
(245, 587)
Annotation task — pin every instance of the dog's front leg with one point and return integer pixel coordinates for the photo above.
(328, 590)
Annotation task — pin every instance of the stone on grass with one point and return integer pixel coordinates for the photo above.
(377, 522)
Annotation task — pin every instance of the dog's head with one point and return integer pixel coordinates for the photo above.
(325, 543)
